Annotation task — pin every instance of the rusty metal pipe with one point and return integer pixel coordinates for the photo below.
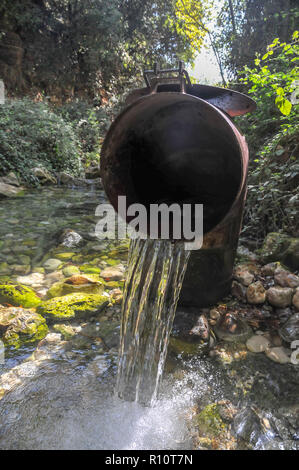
(173, 146)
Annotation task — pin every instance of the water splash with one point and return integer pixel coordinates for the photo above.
(154, 280)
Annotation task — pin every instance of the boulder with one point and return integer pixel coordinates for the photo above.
(44, 176)
(7, 190)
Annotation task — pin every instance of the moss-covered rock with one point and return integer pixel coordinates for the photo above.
(4, 268)
(19, 326)
(65, 256)
(88, 269)
(72, 305)
(70, 271)
(76, 284)
(280, 247)
(209, 421)
(18, 295)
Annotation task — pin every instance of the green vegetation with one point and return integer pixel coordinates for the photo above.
(273, 133)
(32, 135)
(76, 61)
(19, 296)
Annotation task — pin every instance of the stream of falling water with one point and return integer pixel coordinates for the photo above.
(154, 280)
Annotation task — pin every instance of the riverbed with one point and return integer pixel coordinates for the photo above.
(58, 392)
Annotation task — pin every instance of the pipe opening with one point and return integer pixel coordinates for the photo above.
(174, 148)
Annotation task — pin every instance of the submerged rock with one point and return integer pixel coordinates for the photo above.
(70, 238)
(74, 284)
(257, 343)
(278, 354)
(19, 326)
(52, 264)
(18, 295)
(232, 329)
(69, 271)
(290, 330)
(209, 421)
(73, 305)
(112, 274)
(32, 279)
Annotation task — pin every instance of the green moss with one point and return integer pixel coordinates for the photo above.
(72, 305)
(4, 268)
(21, 327)
(64, 256)
(113, 284)
(88, 269)
(70, 270)
(209, 421)
(61, 288)
(18, 295)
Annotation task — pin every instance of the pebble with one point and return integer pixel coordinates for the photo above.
(242, 275)
(52, 264)
(214, 314)
(290, 330)
(285, 278)
(256, 293)
(34, 278)
(280, 296)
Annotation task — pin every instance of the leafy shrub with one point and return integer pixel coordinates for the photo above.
(32, 135)
(272, 84)
(89, 123)
(274, 135)
(272, 198)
